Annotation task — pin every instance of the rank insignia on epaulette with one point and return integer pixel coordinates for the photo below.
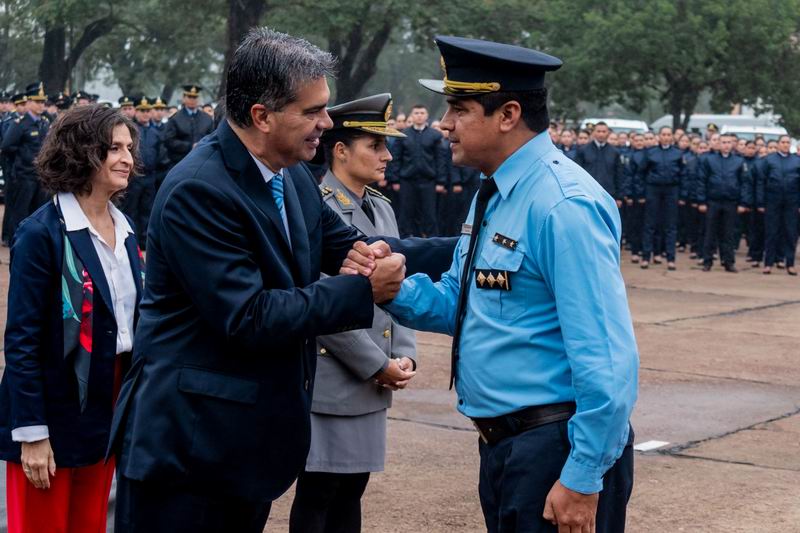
(325, 190)
(505, 242)
(492, 279)
(343, 199)
(376, 193)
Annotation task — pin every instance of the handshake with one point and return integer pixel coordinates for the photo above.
(385, 270)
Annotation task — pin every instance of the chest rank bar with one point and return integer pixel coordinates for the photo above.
(504, 241)
(492, 279)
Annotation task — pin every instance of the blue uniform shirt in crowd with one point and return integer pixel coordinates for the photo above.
(563, 332)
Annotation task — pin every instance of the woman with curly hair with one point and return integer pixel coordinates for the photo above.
(76, 280)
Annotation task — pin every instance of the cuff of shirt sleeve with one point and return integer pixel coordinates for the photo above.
(582, 478)
(30, 434)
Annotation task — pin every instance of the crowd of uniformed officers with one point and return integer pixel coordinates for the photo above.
(680, 191)
(677, 191)
(166, 135)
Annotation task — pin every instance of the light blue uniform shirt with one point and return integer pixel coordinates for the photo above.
(564, 331)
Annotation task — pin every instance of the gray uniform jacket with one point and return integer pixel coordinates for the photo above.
(347, 362)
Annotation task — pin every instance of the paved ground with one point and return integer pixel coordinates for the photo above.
(720, 383)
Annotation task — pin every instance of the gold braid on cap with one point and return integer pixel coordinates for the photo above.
(460, 87)
(364, 124)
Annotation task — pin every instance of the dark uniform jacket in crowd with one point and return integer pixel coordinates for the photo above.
(22, 141)
(219, 395)
(662, 166)
(183, 130)
(150, 147)
(418, 157)
(604, 165)
(781, 177)
(724, 179)
(689, 187)
(634, 183)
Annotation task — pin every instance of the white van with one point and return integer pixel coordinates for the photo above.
(751, 132)
(700, 121)
(618, 125)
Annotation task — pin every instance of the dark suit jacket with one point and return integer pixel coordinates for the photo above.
(219, 395)
(183, 131)
(39, 385)
(604, 165)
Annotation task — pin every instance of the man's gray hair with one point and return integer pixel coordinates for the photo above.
(269, 68)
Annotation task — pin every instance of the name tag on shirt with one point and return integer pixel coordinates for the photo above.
(492, 279)
(466, 229)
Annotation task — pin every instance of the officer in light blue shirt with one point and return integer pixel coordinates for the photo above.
(544, 355)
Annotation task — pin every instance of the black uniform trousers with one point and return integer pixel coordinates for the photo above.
(661, 212)
(697, 229)
(327, 502)
(157, 507)
(636, 226)
(26, 197)
(755, 238)
(722, 225)
(9, 199)
(138, 202)
(418, 205)
(517, 473)
(780, 221)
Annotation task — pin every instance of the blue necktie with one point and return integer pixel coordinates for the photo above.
(277, 193)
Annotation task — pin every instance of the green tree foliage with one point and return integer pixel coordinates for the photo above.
(627, 50)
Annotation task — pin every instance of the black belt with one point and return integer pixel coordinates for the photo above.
(493, 430)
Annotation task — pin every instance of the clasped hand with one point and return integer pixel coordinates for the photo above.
(397, 374)
(385, 270)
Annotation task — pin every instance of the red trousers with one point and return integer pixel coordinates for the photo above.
(76, 502)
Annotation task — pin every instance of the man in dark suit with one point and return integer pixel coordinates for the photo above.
(186, 127)
(419, 168)
(212, 423)
(602, 161)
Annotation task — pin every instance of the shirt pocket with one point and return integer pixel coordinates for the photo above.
(498, 296)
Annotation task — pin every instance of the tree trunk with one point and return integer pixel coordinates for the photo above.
(53, 71)
(357, 65)
(242, 15)
(56, 65)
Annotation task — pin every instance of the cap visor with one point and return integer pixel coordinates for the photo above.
(386, 132)
(436, 86)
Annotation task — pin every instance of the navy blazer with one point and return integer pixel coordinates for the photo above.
(39, 386)
(219, 395)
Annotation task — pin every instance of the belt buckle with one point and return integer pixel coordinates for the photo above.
(480, 433)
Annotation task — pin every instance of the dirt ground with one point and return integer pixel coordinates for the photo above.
(720, 382)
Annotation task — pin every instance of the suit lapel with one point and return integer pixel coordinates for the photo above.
(297, 227)
(82, 244)
(136, 268)
(249, 179)
(362, 221)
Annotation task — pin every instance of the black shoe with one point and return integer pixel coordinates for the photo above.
(657, 260)
(644, 265)
(681, 249)
(779, 264)
(671, 266)
(706, 268)
(694, 256)
(791, 271)
(730, 268)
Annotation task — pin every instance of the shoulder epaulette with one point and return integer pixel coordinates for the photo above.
(376, 193)
(325, 190)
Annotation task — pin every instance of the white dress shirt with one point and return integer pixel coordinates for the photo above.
(117, 271)
(267, 174)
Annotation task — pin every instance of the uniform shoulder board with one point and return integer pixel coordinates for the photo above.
(376, 193)
(325, 191)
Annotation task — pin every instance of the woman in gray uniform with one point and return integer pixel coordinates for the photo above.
(356, 370)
